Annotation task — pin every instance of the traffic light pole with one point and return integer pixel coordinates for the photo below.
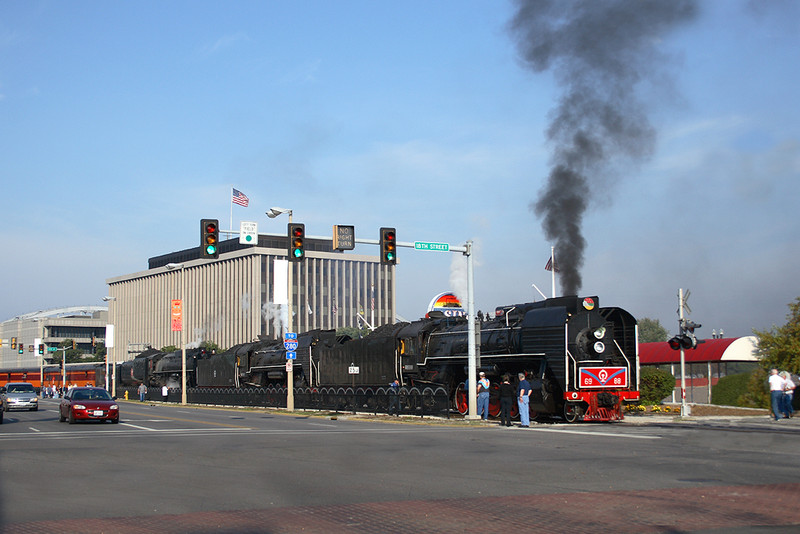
(684, 407)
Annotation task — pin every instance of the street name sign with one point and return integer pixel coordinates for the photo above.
(423, 245)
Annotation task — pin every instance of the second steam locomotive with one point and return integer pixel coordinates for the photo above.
(581, 359)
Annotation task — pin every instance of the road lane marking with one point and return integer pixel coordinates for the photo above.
(589, 433)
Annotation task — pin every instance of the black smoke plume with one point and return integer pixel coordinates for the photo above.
(600, 52)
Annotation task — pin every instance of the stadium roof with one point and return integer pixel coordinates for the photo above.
(734, 349)
(72, 311)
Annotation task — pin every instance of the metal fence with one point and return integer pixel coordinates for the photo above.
(421, 401)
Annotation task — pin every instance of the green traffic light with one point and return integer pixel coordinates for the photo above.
(298, 253)
(211, 250)
(390, 256)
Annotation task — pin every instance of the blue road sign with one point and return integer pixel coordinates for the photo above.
(290, 345)
(290, 335)
(291, 355)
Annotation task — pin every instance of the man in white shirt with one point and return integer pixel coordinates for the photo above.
(776, 385)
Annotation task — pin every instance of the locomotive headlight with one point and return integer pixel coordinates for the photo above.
(599, 347)
(600, 333)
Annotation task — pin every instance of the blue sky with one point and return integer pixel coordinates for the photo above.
(124, 123)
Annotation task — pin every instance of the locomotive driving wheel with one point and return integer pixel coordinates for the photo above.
(573, 411)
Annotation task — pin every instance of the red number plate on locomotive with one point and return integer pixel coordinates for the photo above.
(603, 377)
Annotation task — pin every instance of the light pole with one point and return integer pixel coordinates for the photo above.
(170, 267)
(272, 213)
(108, 355)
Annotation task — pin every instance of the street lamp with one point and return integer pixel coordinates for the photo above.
(272, 213)
(171, 267)
(108, 354)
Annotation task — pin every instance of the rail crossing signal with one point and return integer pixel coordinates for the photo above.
(209, 237)
(388, 244)
(297, 237)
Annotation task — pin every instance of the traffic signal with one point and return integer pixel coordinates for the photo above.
(297, 241)
(20, 347)
(209, 237)
(388, 246)
(73, 344)
(13, 343)
(683, 341)
(41, 348)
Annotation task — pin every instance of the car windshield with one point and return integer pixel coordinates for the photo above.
(91, 394)
(20, 388)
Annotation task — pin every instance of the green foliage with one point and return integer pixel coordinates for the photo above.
(730, 389)
(353, 332)
(780, 346)
(169, 348)
(655, 385)
(70, 355)
(651, 331)
(210, 346)
(756, 394)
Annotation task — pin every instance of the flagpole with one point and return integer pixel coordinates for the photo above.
(553, 270)
(230, 201)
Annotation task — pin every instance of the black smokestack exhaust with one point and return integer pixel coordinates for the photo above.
(600, 51)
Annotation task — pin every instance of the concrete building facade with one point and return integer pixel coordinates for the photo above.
(82, 324)
(229, 300)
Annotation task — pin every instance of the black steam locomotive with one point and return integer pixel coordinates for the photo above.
(581, 360)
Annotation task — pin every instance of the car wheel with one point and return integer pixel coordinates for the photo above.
(61, 417)
(35, 409)
(115, 421)
(71, 418)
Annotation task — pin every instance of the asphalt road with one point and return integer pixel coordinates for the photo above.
(173, 460)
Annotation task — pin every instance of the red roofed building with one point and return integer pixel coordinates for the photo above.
(711, 359)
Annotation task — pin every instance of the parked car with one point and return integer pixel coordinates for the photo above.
(88, 404)
(20, 396)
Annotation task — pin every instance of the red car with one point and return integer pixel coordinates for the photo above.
(88, 404)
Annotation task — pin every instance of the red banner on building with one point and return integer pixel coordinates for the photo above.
(177, 315)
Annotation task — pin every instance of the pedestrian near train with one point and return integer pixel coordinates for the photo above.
(394, 398)
(788, 394)
(506, 399)
(164, 392)
(776, 384)
(142, 392)
(524, 397)
(483, 396)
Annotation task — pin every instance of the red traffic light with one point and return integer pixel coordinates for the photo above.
(388, 246)
(296, 238)
(209, 238)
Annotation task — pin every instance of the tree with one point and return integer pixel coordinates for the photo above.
(780, 346)
(352, 331)
(655, 385)
(70, 355)
(651, 331)
(168, 349)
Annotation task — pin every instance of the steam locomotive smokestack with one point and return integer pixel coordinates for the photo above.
(599, 53)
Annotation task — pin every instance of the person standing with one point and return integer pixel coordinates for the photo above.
(506, 398)
(483, 396)
(394, 398)
(142, 392)
(788, 394)
(776, 384)
(164, 392)
(524, 397)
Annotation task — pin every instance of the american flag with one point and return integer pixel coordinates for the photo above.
(334, 307)
(240, 198)
(549, 266)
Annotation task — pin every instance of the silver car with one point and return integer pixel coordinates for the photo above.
(20, 396)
